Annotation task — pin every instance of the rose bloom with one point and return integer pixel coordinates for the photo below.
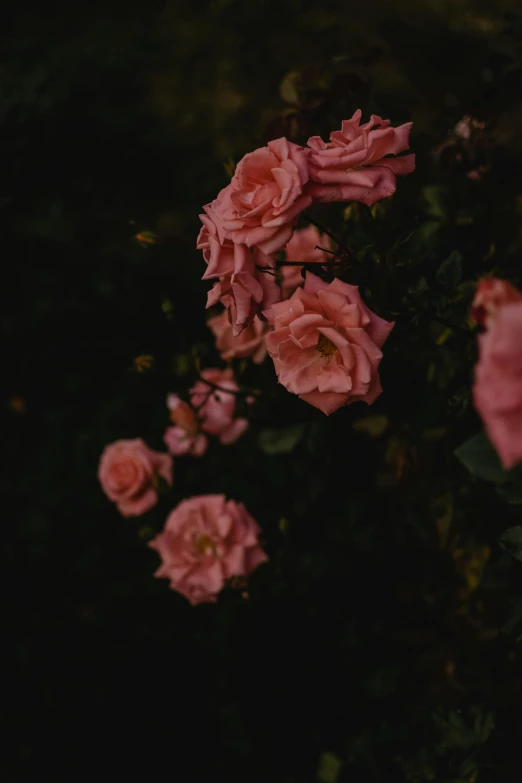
(497, 391)
(354, 165)
(491, 295)
(207, 540)
(216, 408)
(242, 287)
(250, 342)
(326, 344)
(129, 472)
(185, 437)
(261, 203)
(302, 247)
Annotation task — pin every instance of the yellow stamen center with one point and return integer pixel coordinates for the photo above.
(205, 544)
(326, 347)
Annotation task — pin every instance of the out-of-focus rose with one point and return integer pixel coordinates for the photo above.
(326, 344)
(302, 247)
(260, 205)
(129, 473)
(491, 295)
(185, 437)
(497, 391)
(250, 342)
(207, 540)
(354, 165)
(216, 407)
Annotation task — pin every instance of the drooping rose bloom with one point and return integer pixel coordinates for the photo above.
(497, 391)
(353, 165)
(216, 407)
(186, 436)
(326, 344)
(207, 540)
(242, 285)
(302, 247)
(491, 295)
(129, 472)
(260, 205)
(251, 341)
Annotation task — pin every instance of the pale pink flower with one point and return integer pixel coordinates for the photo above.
(262, 202)
(185, 437)
(354, 165)
(129, 475)
(302, 247)
(216, 407)
(491, 295)
(250, 342)
(497, 391)
(326, 344)
(206, 541)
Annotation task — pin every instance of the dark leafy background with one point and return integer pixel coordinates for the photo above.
(379, 643)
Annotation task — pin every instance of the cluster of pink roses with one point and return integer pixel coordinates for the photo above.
(206, 540)
(497, 391)
(324, 341)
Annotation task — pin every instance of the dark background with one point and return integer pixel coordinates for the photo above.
(365, 637)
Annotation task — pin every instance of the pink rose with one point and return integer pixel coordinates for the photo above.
(207, 540)
(243, 288)
(353, 165)
(491, 295)
(251, 341)
(302, 247)
(261, 203)
(216, 407)
(497, 391)
(128, 473)
(185, 437)
(326, 344)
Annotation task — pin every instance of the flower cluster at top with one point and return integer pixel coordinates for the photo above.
(255, 215)
(325, 343)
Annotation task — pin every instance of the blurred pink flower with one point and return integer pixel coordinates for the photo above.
(250, 342)
(326, 344)
(491, 295)
(216, 407)
(497, 391)
(206, 541)
(260, 205)
(302, 247)
(185, 437)
(354, 165)
(129, 472)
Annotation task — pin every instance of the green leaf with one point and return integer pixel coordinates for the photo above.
(481, 459)
(434, 197)
(511, 542)
(329, 768)
(449, 273)
(511, 493)
(281, 441)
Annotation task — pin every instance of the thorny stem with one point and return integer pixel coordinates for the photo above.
(239, 392)
(324, 230)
